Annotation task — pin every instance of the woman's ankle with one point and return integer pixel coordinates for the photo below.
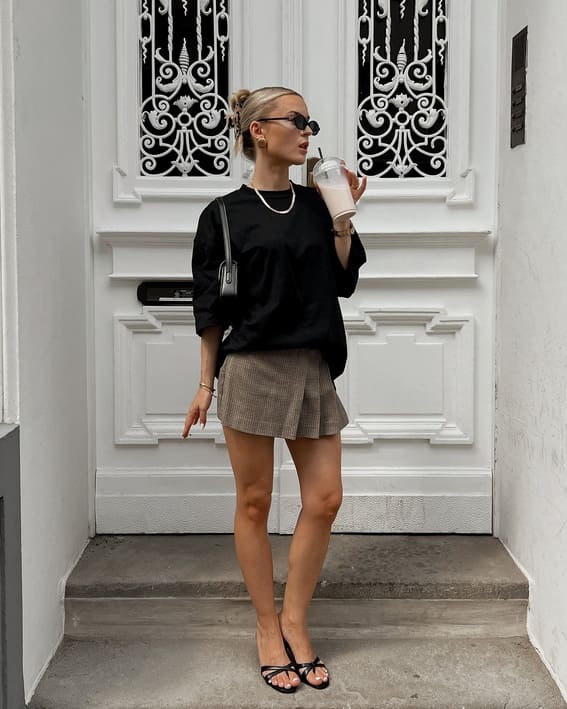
(292, 621)
(268, 625)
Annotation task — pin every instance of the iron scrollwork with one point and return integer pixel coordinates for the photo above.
(184, 87)
(402, 72)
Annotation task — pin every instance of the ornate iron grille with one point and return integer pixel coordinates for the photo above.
(184, 88)
(402, 71)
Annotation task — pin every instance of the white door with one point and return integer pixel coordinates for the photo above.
(405, 90)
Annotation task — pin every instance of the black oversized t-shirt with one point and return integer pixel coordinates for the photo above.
(289, 275)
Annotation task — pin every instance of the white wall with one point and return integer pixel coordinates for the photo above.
(531, 418)
(50, 218)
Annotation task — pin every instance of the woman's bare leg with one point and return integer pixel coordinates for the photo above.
(318, 464)
(252, 460)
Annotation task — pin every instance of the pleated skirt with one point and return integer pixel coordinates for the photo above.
(281, 393)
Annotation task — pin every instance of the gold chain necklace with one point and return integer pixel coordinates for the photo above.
(278, 211)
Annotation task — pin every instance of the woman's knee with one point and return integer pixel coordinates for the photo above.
(254, 504)
(325, 505)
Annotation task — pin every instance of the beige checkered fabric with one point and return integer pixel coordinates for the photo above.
(281, 393)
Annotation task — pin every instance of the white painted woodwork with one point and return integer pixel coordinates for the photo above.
(419, 383)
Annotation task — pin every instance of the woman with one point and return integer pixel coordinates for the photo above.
(276, 366)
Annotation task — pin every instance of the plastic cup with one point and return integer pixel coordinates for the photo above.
(330, 177)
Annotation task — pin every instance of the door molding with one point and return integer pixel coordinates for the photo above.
(445, 412)
(128, 185)
(458, 189)
(376, 499)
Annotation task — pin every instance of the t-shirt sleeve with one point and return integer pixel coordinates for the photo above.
(208, 253)
(347, 278)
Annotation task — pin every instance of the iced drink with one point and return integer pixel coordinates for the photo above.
(331, 179)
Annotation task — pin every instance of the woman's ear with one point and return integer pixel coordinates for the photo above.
(255, 129)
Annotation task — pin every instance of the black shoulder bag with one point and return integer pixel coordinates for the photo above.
(228, 270)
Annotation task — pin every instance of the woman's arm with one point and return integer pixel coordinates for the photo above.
(342, 228)
(343, 241)
(208, 252)
(210, 341)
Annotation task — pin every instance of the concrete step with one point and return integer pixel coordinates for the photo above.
(420, 621)
(181, 586)
(347, 618)
(368, 673)
(415, 566)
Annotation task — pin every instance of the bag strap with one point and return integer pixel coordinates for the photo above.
(226, 238)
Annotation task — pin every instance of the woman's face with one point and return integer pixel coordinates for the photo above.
(286, 143)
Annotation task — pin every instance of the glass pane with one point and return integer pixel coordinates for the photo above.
(402, 75)
(184, 63)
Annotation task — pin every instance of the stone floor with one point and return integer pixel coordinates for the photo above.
(202, 673)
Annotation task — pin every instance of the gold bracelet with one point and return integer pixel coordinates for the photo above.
(344, 232)
(207, 387)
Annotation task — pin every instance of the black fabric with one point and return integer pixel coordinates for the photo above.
(289, 275)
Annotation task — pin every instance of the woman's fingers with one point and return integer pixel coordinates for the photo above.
(197, 412)
(190, 420)
(357, 185)
(360, 188)
(352, 178)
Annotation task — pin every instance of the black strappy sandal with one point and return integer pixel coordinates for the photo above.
(304, 668)
(274, 670)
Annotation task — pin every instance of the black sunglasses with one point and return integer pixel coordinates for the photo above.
(298, 120)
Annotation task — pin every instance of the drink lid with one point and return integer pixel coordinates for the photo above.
(326, 164)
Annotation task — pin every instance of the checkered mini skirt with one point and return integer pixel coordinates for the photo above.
(279, 393)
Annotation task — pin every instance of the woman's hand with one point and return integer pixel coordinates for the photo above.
(357, 186)
(198, 410)
(357, 189)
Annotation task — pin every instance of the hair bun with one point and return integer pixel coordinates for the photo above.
(238, 98)
(237, 101)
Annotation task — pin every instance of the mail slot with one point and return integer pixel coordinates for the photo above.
(166, 292)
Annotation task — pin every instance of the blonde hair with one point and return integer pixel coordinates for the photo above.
(248, 106)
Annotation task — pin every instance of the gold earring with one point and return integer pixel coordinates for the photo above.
(262, 142)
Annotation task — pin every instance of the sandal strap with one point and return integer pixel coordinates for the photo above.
(304, 668)
(274, 670)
